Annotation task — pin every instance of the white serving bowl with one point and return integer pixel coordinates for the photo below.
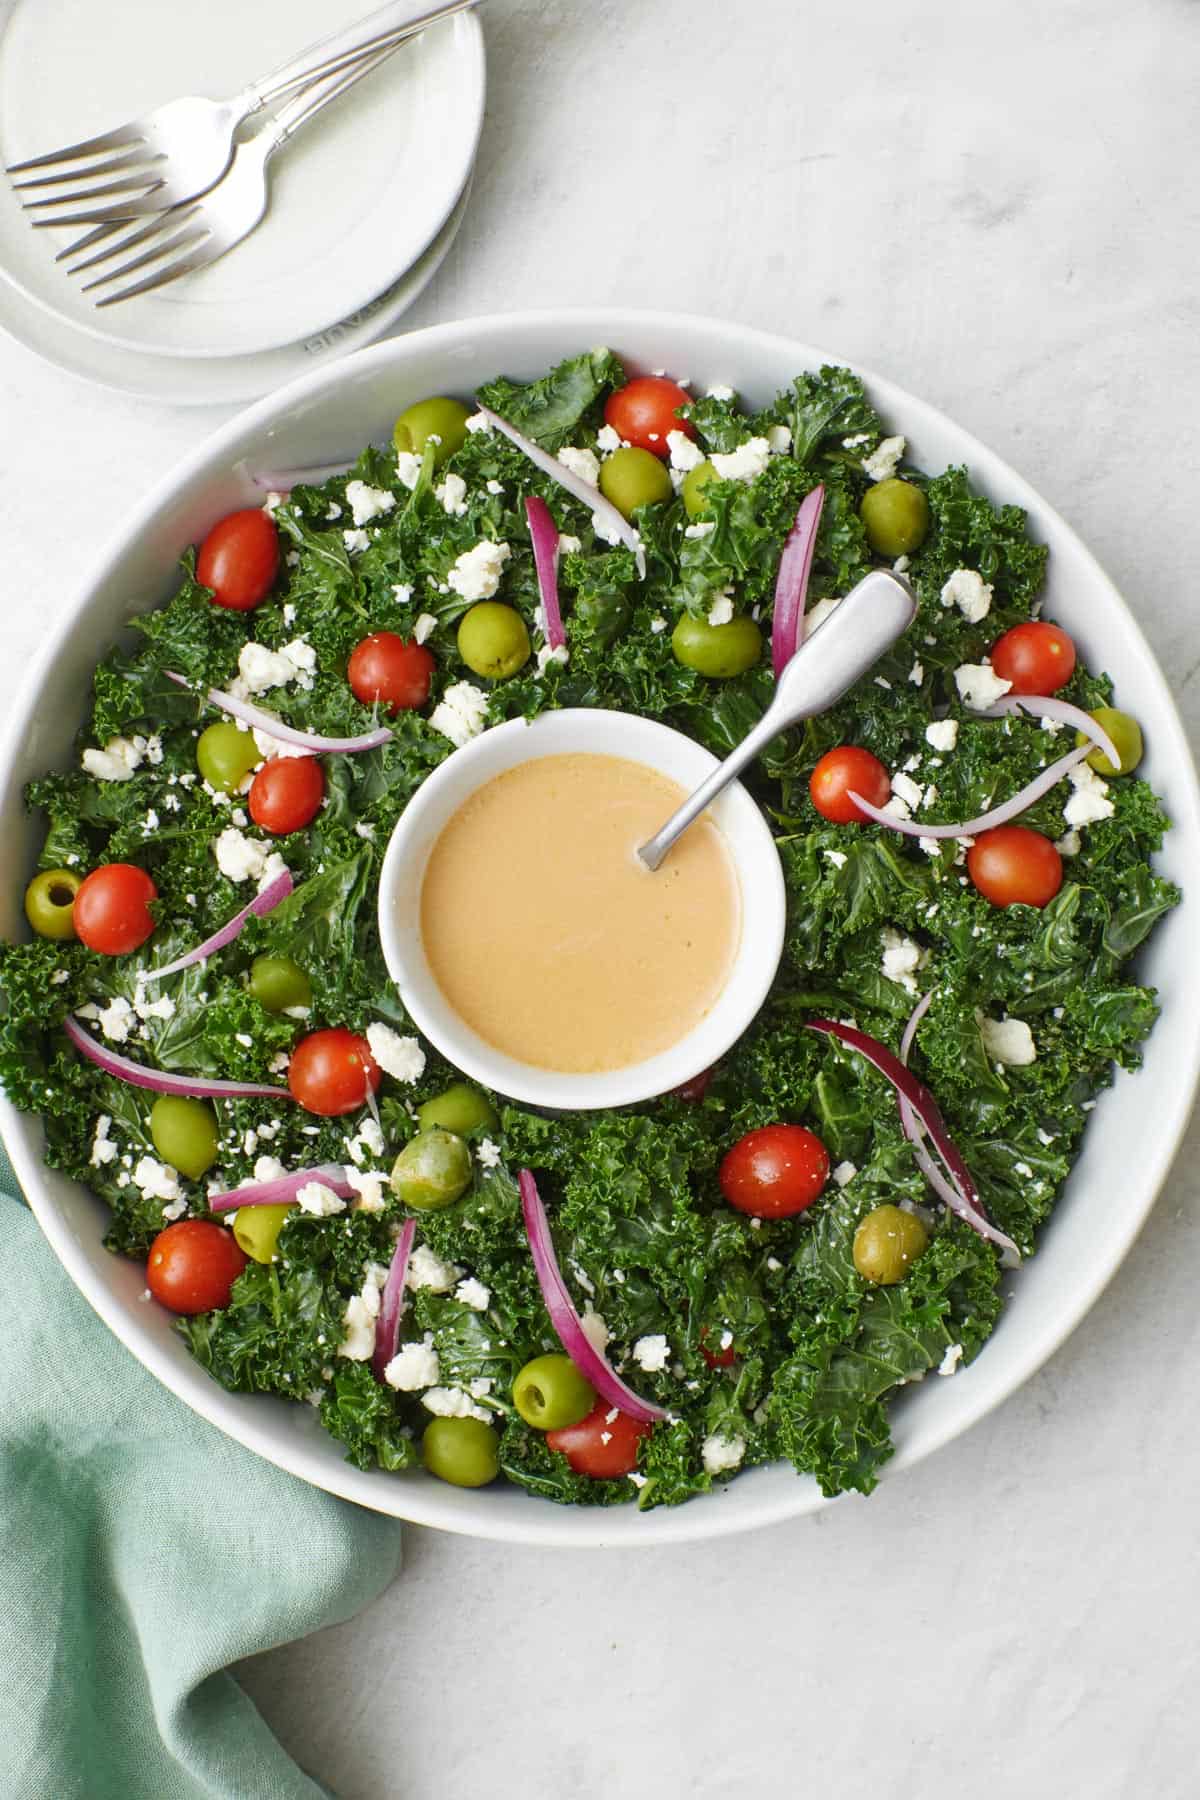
(330, 414)
(592, 731)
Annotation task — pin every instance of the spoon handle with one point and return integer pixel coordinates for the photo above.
(852, 639)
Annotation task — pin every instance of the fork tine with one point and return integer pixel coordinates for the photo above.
(126, 241)
(182, 240)
(89, 237)
(108, 140)
(185, 266)
(81, 196)
(119, 213)
(115, 165)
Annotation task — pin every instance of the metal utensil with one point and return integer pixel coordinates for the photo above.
(195, 236)
(182, 149)
(868, 621)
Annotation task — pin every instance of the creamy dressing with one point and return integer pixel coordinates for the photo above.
(551, 939)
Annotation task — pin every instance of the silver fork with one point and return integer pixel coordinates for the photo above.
(197, 234)
(180, 150)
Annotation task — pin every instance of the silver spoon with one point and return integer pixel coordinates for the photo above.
(853, 638)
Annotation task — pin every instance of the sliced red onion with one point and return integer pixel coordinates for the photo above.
(910, 1030)
(258, 720)
(282, 481)
(282, 1189)
(999, 815)
(565, 1318)
(1049, 706)
(391, 1301)
(583, 491)
(959, 1193)
(543, 535)
(791, 583)
(199, 1087)
(263, 903)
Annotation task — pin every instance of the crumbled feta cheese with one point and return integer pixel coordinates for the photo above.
(402, 592)
(779, 438)
(246, 859)
(155, 1180)
(855, 442)
(487, 1154)
(400, 1057)
(652, 1353)
(472, 1293)
(117, 1020)
(452, 493)
(917, 674)
(967, 590)
(494, 487)
(454, 1403)
(720, 390)
(408, 468)
(844, 1173)
(608, 439)
(117, 761)
(368, 1185)
(685, 452)
(885, 459)
(1008, 1041)
(909, 791)
(901, 565)
(145, 1008)
(746, 463)
(582, 463)
(260, 668)
(103, 1149)
(942, 734)
(476, 573)
(367, 503)
(60, 977)
(979, 686)
(836, 857)
(427, 1270)
(367, 1141)
(595, 1330)
(951, 1359)
(364, 830)
(414, 1366)
(817, 614)
(559, 655)
(901, 958)
(333, 512)
(569, 545)
(657, 625)
(719, 1453)
(701, 529)
(356, 541)
(721, 610)
(273, 502)
(898, 807)
(479, 422)
(321, 1201)
(1069, 844)
(1090, 800)
(424, 627)
(460, 713)
(360, 1315)
(268, 1168)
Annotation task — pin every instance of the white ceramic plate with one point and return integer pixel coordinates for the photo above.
(355, 199)
(1097, 1219)
(219, 381)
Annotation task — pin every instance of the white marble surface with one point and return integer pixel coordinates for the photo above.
(996, 204)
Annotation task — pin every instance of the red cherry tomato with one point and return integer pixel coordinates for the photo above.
(192, 1266)
(775, 1171)
(384, 668)
(1012, 866)
(1038, 658)
(696, 1088)
(718, 1358)
(286, 794)
(600, 1446)
(239, 559)
(841, 772)
(112, 909)
(331, 1072)
(644, 411)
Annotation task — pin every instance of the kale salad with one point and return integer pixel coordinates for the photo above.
(762, 1258)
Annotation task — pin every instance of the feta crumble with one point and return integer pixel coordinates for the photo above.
(884, 460)
(367, 503)
(454, 1403)
(474, 1294)
(1090, 801)
(979, 686)
(580, 462)
(487, 1154)
(720, 1454)
(746, 463)
(460, 713)
(356, 541)
(400, 1057)
(117, 761)
(246, 859)
(844, 1173)
(260, 668)
(652, 1353)
(901, 959)
(721, 610)
(967, 590)
(476, 573)
(779, 438)
(104, 1150)
(942, 734)
(452, 494)
(414, 1366)
(424, 627)
(951, 1359)
(1008, 1041)
(427, 1270)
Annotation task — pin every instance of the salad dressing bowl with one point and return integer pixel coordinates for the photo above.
(328, 415)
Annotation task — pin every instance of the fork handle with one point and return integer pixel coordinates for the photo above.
(345, 47)
(302, 107)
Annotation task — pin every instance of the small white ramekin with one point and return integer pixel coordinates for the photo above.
(591, 731)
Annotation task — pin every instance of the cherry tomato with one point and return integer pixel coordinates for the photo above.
(644, 410)
(696, 1088)
(1012, 866)
(601, 1445)
(286, 794)
(239, 559)
(332, 1071)
(192, 1266)
(841, 772)
(1038, 658)
(112, 909)
(718, 1358)
(384, 668)
(775, 1171)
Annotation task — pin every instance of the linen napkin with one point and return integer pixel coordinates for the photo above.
(141, 1552)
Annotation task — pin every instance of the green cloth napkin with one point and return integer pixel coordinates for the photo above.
(141, 1552)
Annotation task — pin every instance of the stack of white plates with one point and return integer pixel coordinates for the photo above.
(365, 202)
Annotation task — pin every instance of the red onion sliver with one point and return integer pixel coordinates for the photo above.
(960, 1193)
(565, 1318)
(258, 720)
(910, 1030)
(543, 535)
(1049, 706)
(283, 1189)
(199, 1087)
(583, 491)
(391, 1301)
(791, 583)
(282, 481)
(263, 903)
(999, 815)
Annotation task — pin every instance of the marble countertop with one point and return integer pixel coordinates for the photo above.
(994, 204)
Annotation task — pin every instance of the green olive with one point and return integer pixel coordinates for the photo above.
(432, 1170)
(184, 1133)
(887, 1243)
(549, 1392)
(694, 484)
(464, 1452)
(717, 650)
(277, 983)
(256, 1230)
(50, 900)
(1126, 735)
(895, 515)
(631, 478)
(225, 755)
(443, 419)
(462, 1108)
(493, 640)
